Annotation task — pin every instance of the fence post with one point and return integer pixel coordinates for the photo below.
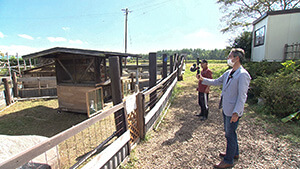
(171, 64)
(30, 65)
(19, 69)
(9, 68)
(6, 91)
(15, 84)
(178, 70)
(24, 62)
(140, 99)
(39, 83)
(165, 71)
(132, 86)
(175, 61)
(285, 52)
(120, 116)
(152, 76)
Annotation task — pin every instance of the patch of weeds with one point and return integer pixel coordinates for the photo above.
(130, 164)
(147, 137)
(273, 125)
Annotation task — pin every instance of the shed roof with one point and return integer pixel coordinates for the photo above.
(279, 12)
(53, 52)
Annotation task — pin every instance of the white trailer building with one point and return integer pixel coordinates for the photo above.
(272, 32)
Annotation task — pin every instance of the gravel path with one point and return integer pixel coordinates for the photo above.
(183, 141)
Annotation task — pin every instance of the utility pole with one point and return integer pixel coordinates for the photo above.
(126, 19)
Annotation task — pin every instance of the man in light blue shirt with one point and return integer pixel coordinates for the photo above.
(234, 95)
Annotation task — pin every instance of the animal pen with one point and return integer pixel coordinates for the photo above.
(106, 139)
(81, 74)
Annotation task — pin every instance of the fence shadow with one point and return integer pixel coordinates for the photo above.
(186, 114)
(39, 120)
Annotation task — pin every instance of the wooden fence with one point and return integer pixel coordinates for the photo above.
(71, 148)
(292, 51)
(36, 86)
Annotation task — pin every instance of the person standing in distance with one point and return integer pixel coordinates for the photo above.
(234, 94)
(203, 90)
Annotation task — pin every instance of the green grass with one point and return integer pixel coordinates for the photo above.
(132, 160)
(40, 117)
(274, 125)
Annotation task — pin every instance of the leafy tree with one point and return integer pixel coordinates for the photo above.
(244, 41)
(241, 13)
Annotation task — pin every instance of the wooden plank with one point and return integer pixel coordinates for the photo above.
(34, 98)
(27, 155)
(34, 92)
(101, 159)
(146, 93)
(159, 103)
(71, 97)
(30, 79)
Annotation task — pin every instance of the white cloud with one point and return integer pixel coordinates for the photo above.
(57, 39)
(75, 41)
(66, 28)
(26, 36)
(20, 49)
(1, 35)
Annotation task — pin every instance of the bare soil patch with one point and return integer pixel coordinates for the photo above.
(183, 141)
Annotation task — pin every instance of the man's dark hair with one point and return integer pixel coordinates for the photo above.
(238, 52)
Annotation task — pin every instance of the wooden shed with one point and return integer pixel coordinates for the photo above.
(79, 72)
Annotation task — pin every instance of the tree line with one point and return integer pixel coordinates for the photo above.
(193, 54)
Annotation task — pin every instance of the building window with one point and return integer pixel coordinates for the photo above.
(259, 36)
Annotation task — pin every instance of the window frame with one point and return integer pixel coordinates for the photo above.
(258, 34)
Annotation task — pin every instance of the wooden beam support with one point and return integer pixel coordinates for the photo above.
(86, 70)
(120, 116)
(66, 70)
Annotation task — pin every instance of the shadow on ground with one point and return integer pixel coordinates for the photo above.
(39, 120)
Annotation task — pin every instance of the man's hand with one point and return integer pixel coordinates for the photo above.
(234, 118)
(199, 77)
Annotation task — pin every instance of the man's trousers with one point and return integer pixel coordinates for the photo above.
(203, 103)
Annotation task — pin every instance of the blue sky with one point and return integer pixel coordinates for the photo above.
(28, 26)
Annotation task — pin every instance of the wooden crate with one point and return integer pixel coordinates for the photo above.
(73, 98)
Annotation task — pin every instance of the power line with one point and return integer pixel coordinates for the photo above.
(62, 17)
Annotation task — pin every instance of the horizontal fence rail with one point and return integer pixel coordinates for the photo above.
(27, 155)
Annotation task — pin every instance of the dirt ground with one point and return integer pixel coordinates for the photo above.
(183, 141)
